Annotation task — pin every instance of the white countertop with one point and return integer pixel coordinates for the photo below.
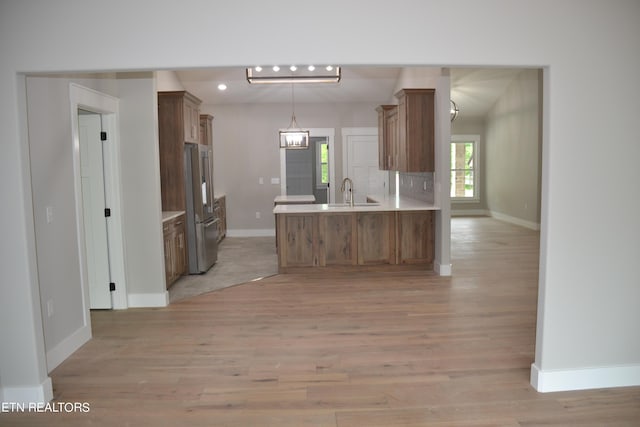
(384, 203)
(169, 215)
(310, 198)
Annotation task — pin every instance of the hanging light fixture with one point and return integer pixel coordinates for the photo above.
(454, 110)
(298, 74)
(294, 137)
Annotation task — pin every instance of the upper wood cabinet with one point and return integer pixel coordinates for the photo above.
(178, 113)
(387, 136)
(406, 132)
(206, 129)
(191, 118)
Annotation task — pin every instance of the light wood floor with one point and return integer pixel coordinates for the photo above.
(339, 350)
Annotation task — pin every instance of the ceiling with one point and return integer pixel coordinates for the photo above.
(474, 90)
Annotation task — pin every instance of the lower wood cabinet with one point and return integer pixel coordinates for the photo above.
(175, 254)
(338, 241)
(355, 239)
(220, 213)
(298, 240)
(376, 238)
(416, 240)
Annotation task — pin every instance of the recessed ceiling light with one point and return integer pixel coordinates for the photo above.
(293, 68)
(276, 68)
(222, 86)
(311, 68)
(329, 68)
(258, 68)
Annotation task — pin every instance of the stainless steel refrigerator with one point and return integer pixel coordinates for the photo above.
(202, 226)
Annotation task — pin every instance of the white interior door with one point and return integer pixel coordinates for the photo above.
(361, 165)
(93, 203)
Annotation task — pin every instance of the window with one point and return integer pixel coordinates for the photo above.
(464, 167)
(322, 156)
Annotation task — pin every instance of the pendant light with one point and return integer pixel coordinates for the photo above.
(454, 110)
(294, 137)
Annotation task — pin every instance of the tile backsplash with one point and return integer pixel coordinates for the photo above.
(417, 186)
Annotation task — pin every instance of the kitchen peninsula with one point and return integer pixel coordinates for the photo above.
(388, 231)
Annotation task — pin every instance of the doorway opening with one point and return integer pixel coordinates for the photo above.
(94, 129)
(310, 171)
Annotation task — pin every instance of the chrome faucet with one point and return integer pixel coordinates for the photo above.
(350, 193)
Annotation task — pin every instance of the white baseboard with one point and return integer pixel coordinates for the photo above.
(513, 220)
(442, 269)
(584, 379)
(251, 232)
(469, 212)
(42, 393)
(67, 347)
(148, 300)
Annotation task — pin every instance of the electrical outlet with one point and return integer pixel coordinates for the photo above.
(49, 212)
(257, 215)
(261, 180)
(50, 308)
(425, 185)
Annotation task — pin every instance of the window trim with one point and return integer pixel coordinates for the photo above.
(475, 139)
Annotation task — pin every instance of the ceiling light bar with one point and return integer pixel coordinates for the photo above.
(328, 74)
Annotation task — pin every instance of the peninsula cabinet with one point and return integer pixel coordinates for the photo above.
(176, 114)
(393, 239)
(406, 132)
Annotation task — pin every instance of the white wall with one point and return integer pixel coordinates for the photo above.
(51, 156)
(142, 205)
(587, 311)
(52, 178)
(512, 152)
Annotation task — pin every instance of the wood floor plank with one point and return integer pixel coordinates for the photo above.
(337, 349)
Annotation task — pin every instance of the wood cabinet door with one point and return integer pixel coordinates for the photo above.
(180, 247)
(338, 242)
(416, 132)
(415, 237)
(297, 240)
(387, 139)
(376, 238)
(168, 255)
(191, 122)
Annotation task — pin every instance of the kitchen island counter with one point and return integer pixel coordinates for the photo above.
(390, 232)
(377, 203)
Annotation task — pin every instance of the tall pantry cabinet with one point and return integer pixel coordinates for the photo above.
(178, 122)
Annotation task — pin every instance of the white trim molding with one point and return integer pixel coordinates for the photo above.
(148, 300)
(585, 378)
(513, 220)
(469, 212)
(41, 393)
(442, 269)
(67, 347)
(252, 232)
